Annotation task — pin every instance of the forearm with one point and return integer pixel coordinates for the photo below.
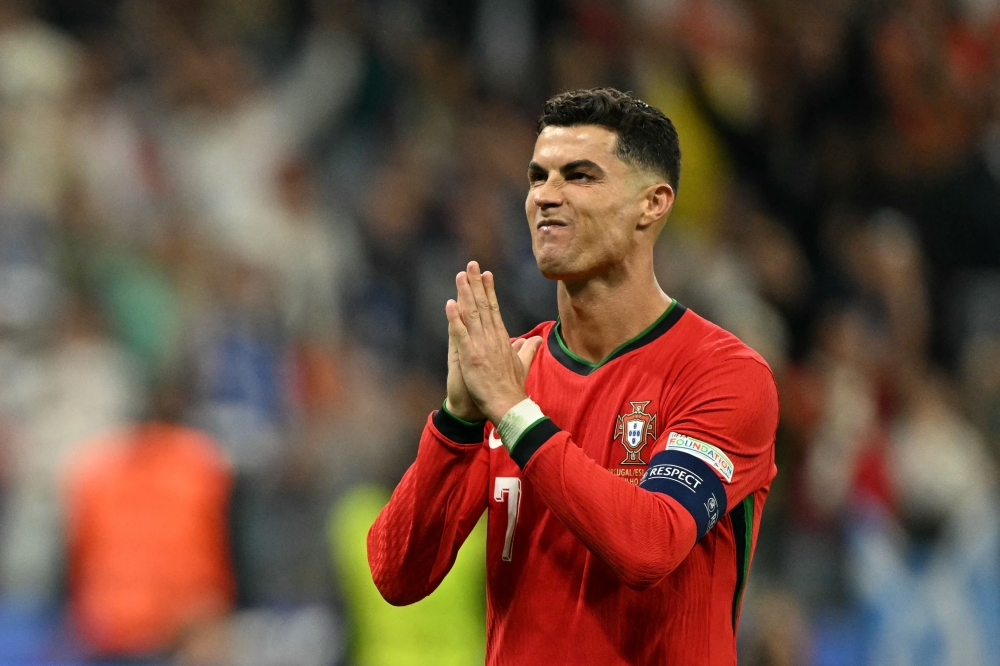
(640, 535)
(415, 539)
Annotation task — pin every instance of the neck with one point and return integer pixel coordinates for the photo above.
(600, 313)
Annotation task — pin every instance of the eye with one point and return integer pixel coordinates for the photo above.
(535, 177)
(579, 176)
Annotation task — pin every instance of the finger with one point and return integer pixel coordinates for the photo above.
(470, 314)
(489, 284)
(517, 344)
(488, 314)
(452, 347)
(457, 331)
(528, 350)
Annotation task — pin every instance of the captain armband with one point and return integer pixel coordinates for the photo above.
(691, 482)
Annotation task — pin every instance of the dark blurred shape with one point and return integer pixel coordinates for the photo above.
(782, 634)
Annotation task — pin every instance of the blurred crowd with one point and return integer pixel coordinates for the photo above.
(228, 229)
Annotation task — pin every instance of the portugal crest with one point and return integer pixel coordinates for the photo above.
(634, 429)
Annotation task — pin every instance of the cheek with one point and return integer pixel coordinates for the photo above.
(609, 229)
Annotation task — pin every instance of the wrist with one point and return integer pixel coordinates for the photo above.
(518, 420)
(469, 416)
(458, 430)
(499, 408)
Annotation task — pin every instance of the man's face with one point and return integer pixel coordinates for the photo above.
(583, 202)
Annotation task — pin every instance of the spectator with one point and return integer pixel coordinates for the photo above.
(55, 400)
(147, 536)
(446, 628)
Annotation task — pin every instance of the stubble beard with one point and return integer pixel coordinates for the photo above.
(577, 269)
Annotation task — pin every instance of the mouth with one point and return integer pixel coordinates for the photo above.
(549, 224)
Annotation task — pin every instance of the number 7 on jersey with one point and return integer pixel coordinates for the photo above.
(508, 488)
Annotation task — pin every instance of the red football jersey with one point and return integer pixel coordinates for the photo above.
(621, 528)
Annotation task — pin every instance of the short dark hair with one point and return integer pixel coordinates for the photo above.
(646, 137)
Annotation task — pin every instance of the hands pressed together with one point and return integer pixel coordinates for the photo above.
(486, 371)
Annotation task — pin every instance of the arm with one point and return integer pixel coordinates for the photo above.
(414, 541)
(641, 535)
(644, 532)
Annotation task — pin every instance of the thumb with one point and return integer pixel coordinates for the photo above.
(527, 351)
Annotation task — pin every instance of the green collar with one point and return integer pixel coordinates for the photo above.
(581, 366)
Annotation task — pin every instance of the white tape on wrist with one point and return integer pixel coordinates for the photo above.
(517, 421)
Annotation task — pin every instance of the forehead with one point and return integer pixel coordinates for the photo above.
(559, 145)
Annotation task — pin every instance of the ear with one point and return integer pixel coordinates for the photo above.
(656, 204)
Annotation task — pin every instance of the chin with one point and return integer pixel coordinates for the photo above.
(550, 264)
(576, 268)
(557, 267)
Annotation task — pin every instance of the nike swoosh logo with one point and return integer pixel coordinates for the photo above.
(495, 442)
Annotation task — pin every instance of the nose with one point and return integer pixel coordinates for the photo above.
(547, 196)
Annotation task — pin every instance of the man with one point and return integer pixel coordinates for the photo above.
(630, 444)
(147, 536)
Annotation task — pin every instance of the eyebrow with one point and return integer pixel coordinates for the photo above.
(578, 164)
(535, 167)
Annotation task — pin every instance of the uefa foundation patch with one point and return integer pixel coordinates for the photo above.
(710, 454)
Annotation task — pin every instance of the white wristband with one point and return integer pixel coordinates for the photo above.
(518, 421)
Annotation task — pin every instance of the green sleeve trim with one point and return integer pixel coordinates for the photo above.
(444, 408)
(534, 437)
(510, 449)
